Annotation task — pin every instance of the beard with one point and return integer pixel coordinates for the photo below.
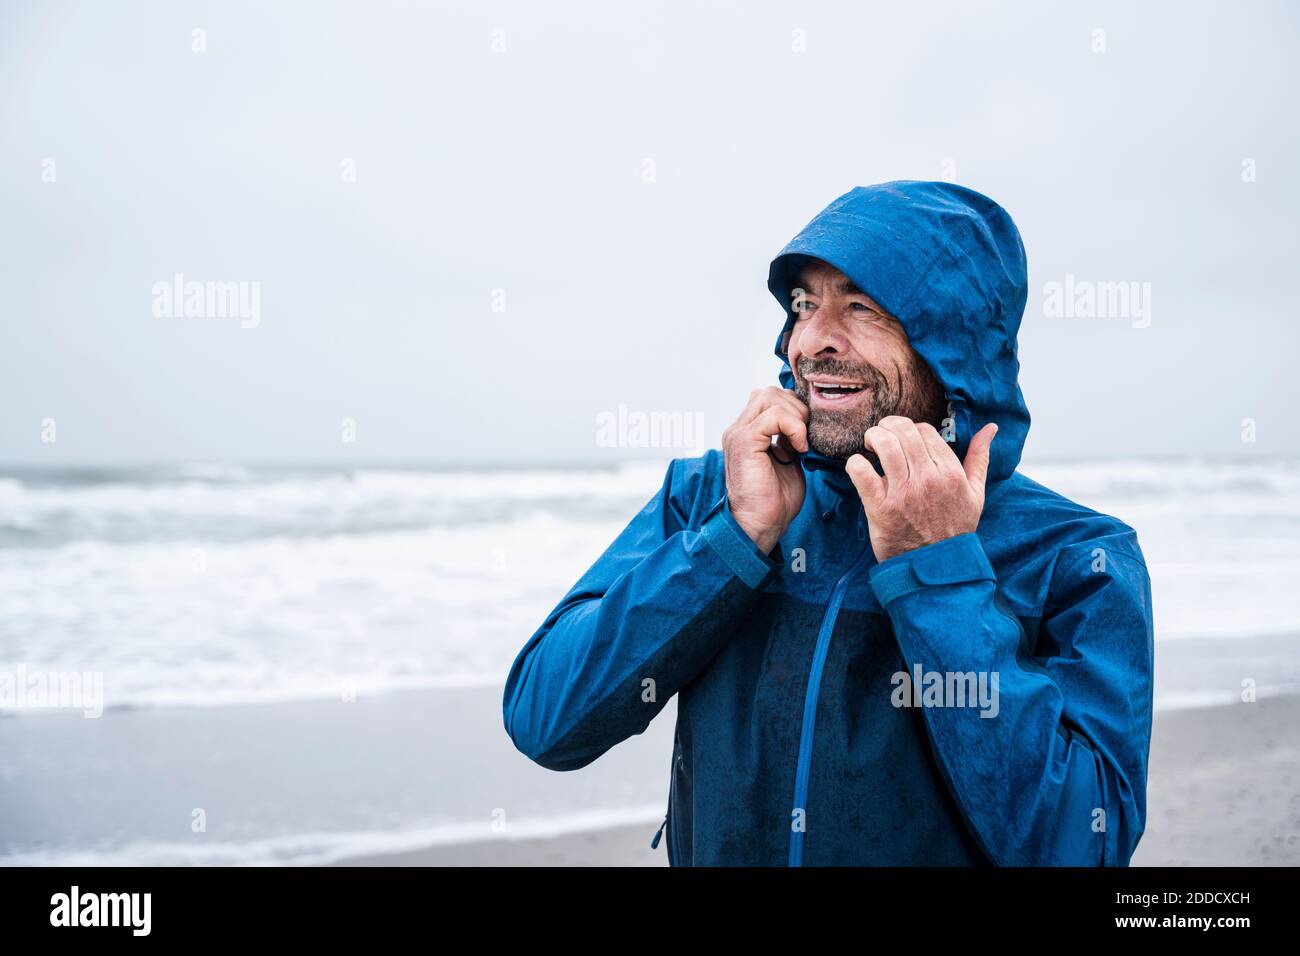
(914, 394)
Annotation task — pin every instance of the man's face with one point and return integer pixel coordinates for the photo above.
(852, 363)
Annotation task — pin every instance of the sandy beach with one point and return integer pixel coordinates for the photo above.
(303, 782)
(429, 778)
(1223, 792)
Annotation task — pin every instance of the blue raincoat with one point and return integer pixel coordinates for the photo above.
(797, 740)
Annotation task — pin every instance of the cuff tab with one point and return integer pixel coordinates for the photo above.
(964, 561)
(725, 535)
(954, 560)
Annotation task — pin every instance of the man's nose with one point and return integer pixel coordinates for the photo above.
(823, 334)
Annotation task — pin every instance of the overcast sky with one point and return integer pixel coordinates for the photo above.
(128, 156)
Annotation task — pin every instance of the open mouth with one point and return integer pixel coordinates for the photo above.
(833, 392)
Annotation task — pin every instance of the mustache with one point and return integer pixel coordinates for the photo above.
(867, 374)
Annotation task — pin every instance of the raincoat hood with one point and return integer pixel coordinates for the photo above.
(948, 263)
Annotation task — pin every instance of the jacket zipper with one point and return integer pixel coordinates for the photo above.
(810, 698)
(672, 791)
(654, 844)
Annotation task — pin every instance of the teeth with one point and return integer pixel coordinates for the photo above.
(835, 387)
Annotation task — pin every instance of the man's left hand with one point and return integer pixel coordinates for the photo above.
(926, 495)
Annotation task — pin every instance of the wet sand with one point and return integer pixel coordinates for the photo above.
(1224, 790)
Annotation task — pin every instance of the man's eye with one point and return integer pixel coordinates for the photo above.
(861, 307)
(805, 306)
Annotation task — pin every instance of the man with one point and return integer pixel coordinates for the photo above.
(888, 646)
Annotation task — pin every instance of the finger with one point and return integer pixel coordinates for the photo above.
(778, 420)
(793, 401)
(941, 453)
(761, 399)
(890, 452)
(918, 457)
(752, 407)
(976, 464)
(871, 487)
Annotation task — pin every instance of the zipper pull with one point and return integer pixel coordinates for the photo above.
(654, 844)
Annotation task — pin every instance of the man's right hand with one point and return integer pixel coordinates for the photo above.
(764, 495)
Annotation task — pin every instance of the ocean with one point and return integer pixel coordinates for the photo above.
(193, 589)
(206, 585)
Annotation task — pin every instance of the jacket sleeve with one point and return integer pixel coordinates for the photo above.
(639, 625)
(1056, 774)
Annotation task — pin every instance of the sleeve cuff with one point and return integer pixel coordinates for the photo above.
(951, 561)
(725, 535)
